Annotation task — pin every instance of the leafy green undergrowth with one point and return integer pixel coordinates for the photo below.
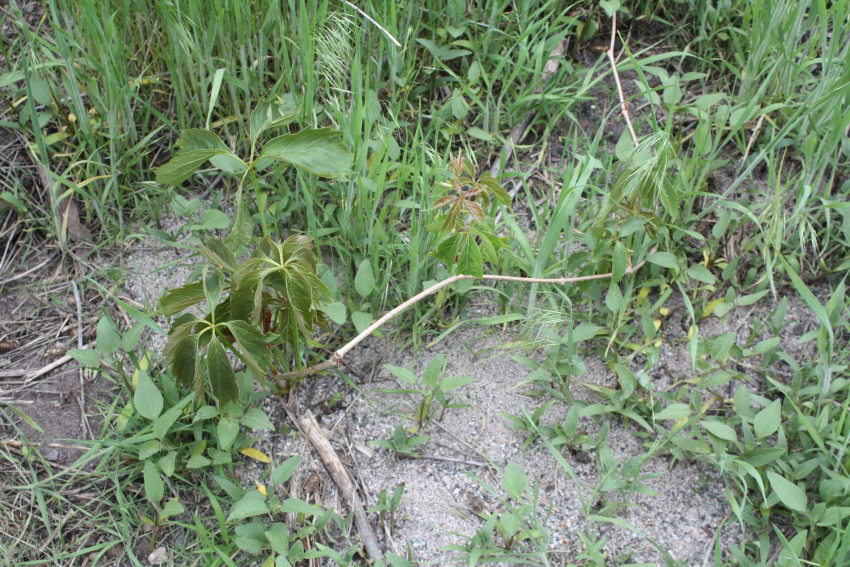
(734, 193)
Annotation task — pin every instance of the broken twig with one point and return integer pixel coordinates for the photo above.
(310, 429)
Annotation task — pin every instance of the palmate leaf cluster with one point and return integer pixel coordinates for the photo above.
(270, 307)
(262, 309)
(469, 238)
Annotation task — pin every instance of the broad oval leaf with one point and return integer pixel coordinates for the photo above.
(364, 280)
(663, 259)
(319, 151)
(251, 504)
(197, 145)
(147, 399)
(767, 420)
(108, 339)
(285, 470)
(154, 487)
(788, 493)
(255, 418)
(720, 430)
(227, 430)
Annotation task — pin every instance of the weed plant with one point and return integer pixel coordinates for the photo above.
(735, 193)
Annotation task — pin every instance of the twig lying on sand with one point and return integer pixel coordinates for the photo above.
(310, 429)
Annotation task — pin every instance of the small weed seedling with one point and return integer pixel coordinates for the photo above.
(430, 387)
(400, 443)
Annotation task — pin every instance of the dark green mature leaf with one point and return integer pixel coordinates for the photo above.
(222, 379)
(445, 251)
(217, 252)
(253, 348)
(213, 285)
(319, 151)
(185, 362)
(196, 146)
(246, 292)
(272, 114)
(469, 260)
(176, 300)
(242, 228)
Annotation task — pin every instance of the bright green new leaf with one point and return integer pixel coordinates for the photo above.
(86, 356)
(361, 320)
(789, 493)
(253, 503)
(296, 506)
(364, 280)
(108, 339)
(172, 507)
(227, 430)
(514, 481)
(450, 383)
(213, 219)
(272, 114)
(196, 147)
(154, 487)
(319, 151)
(336, 311)
(147, 399)
(674, 411)
(584, 331)
(720, 430)
(663, 259)
(255, 418)
(285, 470)
(402, 374)
(432, 372)
(767, 420)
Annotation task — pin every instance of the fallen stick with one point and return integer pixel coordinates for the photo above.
(310, 429)
(624, 104)
(336, 359)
